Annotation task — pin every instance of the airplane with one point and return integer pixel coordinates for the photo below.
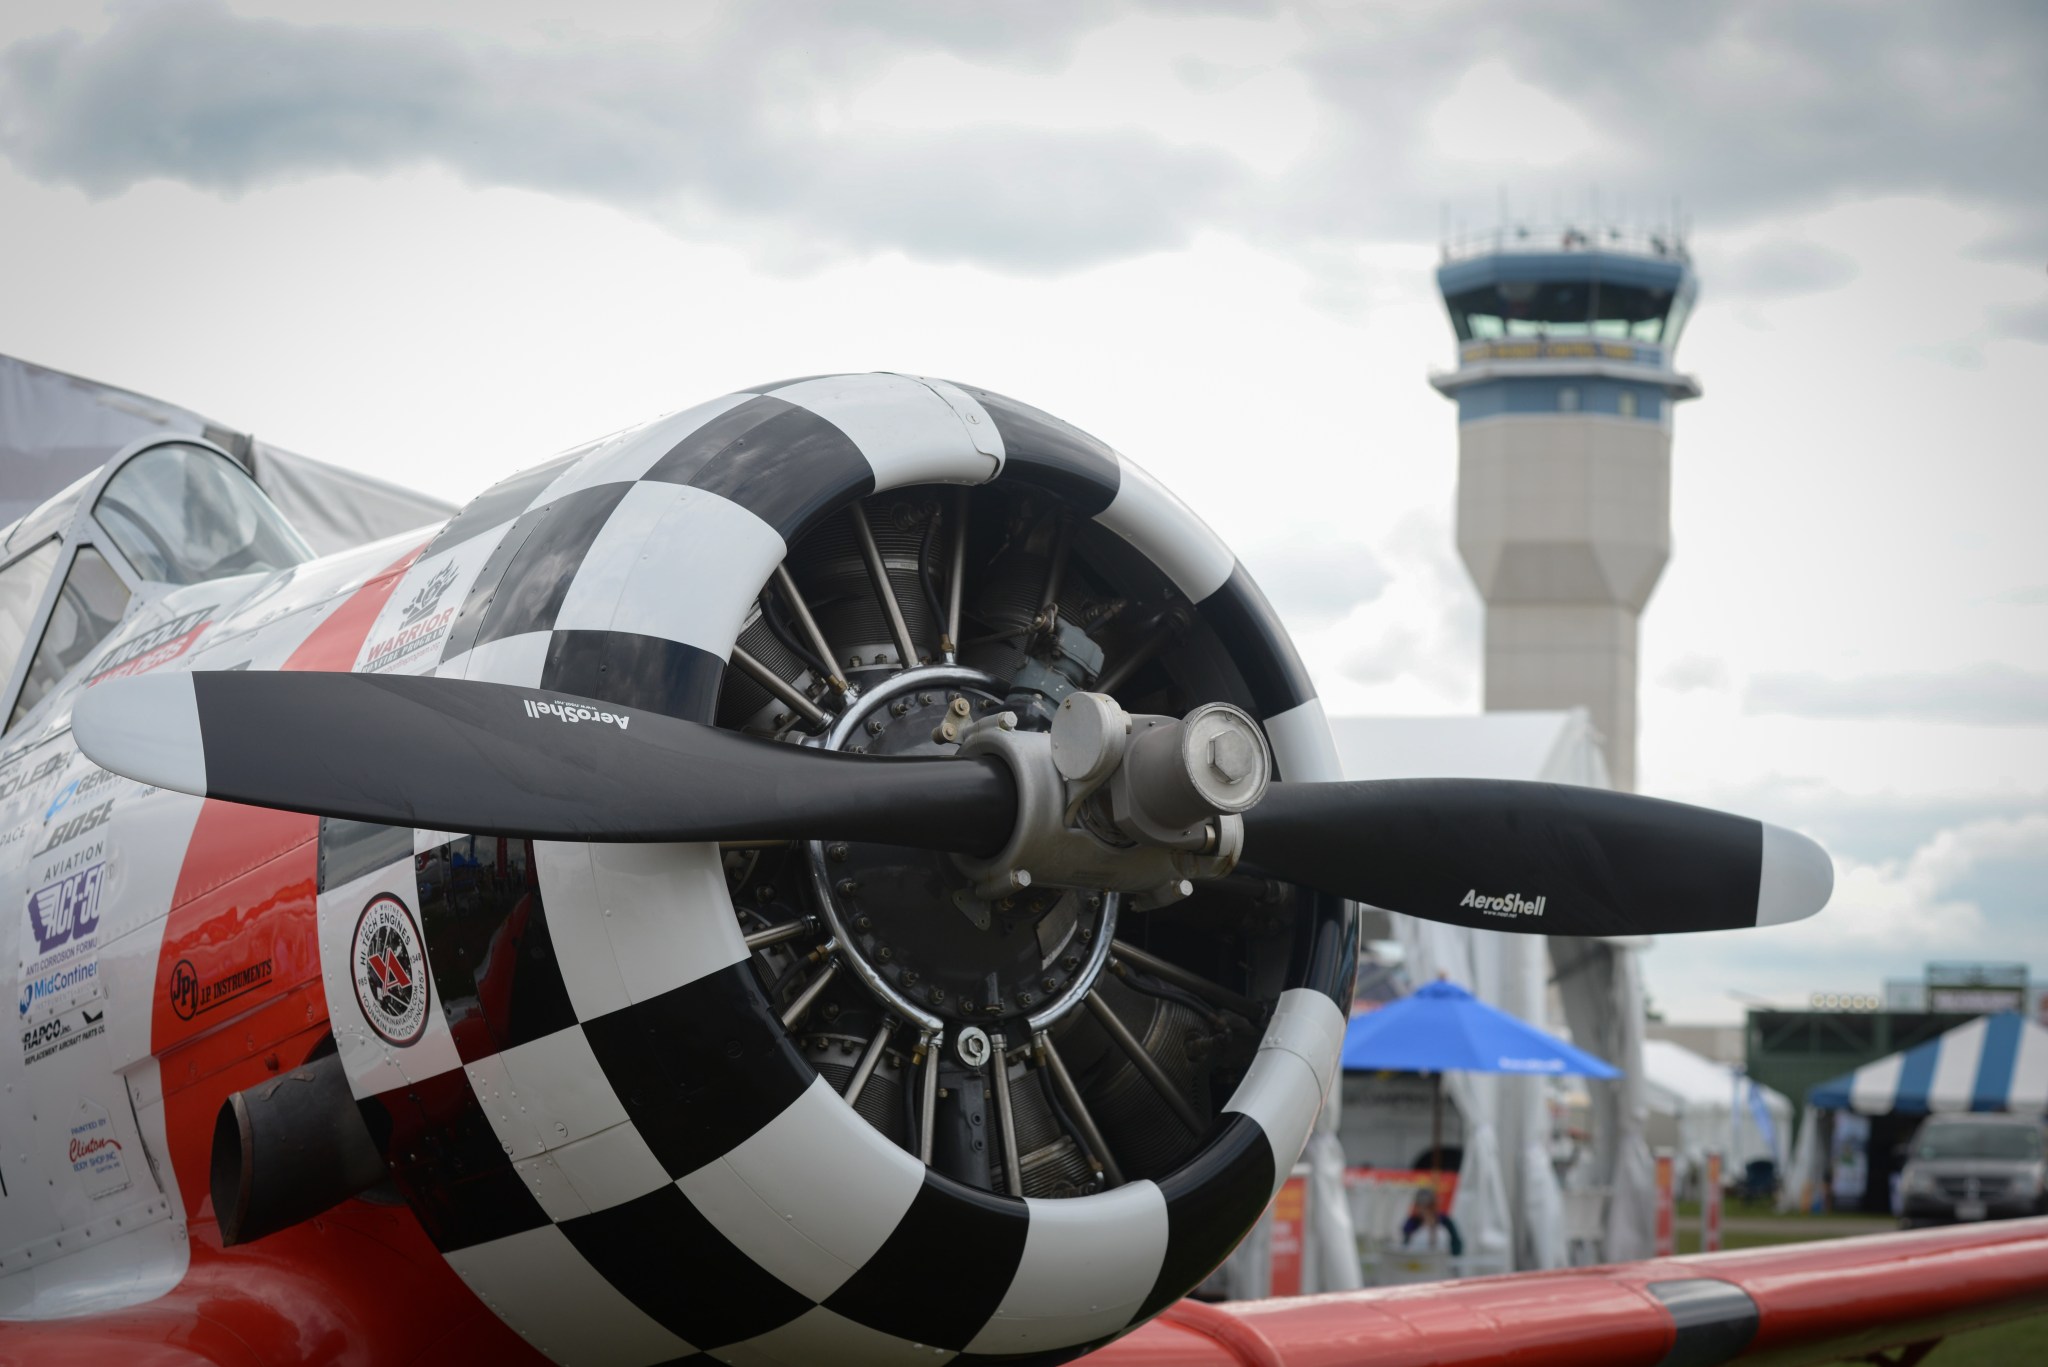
(853, 871)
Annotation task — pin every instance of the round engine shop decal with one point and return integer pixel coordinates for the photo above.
(390, 968)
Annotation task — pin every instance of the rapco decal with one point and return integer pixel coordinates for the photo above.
(190, 997)
(157, 646)
(60, 1032)
(420, 625)
(94, 1153)
(389, 966)
(573, 712)
(1512, 905)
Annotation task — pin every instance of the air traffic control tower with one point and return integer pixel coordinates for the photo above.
(1564, 389)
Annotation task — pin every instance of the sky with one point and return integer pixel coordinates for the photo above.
(439, 242)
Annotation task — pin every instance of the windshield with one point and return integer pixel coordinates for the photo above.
(21, 593)
(2018, 1142)
(183, 515)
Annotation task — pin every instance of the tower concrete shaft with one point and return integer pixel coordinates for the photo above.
(1564, 393)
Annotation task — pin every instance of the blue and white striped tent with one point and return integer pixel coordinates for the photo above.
(1993, 1063)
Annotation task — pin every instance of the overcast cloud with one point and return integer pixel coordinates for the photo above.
(734, 123)
(1980, 695)
(438, 241)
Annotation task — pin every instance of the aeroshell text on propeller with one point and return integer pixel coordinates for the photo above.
(1513, 904)
(570, 712)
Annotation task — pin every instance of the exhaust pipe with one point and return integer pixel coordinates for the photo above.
(289, 1148)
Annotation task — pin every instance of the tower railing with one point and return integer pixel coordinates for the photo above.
(1667, 243)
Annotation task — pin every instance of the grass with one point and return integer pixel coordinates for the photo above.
(2017, 1341)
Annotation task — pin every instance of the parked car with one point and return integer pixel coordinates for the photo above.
(1973, 1167)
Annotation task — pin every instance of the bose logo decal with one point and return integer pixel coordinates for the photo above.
(573, 712)
(1514, 904)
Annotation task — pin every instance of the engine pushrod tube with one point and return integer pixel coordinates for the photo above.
(868, 1061)
(797, 605)
(785, 692)
(788, 930)
(928, 1104)
(956, 575)
(1013, 1164)
(1070, 1097)
(1145, 1063)
(802, 1005)
(884, 594)
(1221, 997)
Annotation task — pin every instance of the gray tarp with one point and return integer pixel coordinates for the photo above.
(56, 427)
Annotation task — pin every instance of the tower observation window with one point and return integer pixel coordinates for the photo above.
(1564, 308)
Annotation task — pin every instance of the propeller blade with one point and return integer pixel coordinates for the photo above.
(1539, 858)
(459, 755)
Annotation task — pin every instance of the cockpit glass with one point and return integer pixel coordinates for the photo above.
(184, 515)
(88, 608)
(21, 593)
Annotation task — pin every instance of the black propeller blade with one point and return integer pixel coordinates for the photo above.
(1541, 858)
(459, 755)
(451, 754)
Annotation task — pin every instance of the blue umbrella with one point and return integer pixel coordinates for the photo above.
(1443, 1028)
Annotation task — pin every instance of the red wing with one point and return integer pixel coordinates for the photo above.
(1811, 1302)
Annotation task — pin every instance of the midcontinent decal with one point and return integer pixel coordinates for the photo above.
(157, 646)
(190, 997)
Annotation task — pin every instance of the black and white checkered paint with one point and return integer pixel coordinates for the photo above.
(604, 1126)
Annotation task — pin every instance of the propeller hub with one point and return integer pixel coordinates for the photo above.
(906, 920)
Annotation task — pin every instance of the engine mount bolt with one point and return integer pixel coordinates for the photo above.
(1087, 935)
(1071, 962)
(958, 707)
(910, 977)
(831, 1011)
(884, 953)
(938, 996)
(837, 854)
(863, 923)
(1025, 999)
(898, 708)
(847, 887)
(924, 700)
(1049, 984)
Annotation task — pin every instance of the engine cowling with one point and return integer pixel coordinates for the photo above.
(808, 1102)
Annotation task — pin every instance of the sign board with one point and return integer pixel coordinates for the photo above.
(1710, 1206)
(1665, 1208)
(1289, 1235)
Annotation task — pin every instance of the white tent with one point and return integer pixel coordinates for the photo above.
(56, 427)
(1509, 1203)
(1704, 1106)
